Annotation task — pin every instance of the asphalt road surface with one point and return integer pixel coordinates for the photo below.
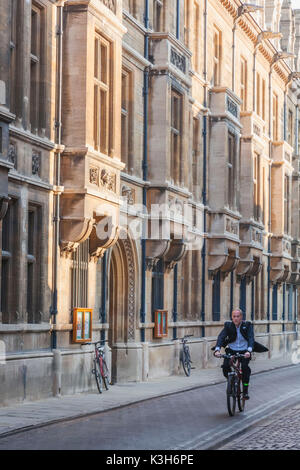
(191, 420)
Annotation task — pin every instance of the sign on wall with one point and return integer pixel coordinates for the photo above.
(161, 323)
(82, 325)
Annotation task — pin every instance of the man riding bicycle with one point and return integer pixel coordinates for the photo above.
(238, 337)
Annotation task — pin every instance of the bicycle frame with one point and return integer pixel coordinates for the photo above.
(234, 381)
(185, 357)
(100, 367)
(99, 355)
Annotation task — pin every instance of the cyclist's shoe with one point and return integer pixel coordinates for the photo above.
(245, 392)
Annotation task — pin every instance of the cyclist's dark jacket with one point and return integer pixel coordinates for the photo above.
(229, 334)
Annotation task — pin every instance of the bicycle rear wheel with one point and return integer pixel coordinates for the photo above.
(240, 397)
(98, 377)
(231, 395)
(186, 362)
(105, 374)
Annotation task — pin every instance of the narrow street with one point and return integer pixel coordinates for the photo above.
(190, 420)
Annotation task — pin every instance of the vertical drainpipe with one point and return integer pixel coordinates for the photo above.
(254, 79)
(297, 131)
(178, 19)
(233, 56)
(284, 115)
(204, 192)
(283, 305)
(103, 294)
(175, 278)
(58, 129)
(145, 169)
(175, 300)
(269, 222)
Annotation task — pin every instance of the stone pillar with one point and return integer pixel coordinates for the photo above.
(145, 363)
(57, 370)
(177, 350)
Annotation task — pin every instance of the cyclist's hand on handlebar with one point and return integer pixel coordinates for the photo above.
(217, 353)
(247, 355)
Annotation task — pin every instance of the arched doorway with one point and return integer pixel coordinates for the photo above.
(122, 309)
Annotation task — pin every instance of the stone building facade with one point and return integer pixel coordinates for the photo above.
(149, 160)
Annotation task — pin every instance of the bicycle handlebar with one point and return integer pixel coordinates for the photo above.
(230, 356)
(97, 342)
(185, 336)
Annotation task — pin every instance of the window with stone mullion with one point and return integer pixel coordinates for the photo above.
(101, 94)
(243, 84)
(33, 264)
(14, 5)
(195, 57)
(176, 111)
(9, 275)
(37, 29)
(125, 120)
(286, 204)
(217, 48)
(231, 164)
(256, 186)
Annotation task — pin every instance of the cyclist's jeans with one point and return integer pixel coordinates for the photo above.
(246, 371)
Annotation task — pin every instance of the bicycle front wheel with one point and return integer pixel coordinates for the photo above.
(98, 376)
(231, 396)
(186, 362)
(105, 374)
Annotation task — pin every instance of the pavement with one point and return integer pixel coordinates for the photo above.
(281, 432)
(31, 415)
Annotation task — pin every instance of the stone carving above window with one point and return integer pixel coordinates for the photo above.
(111, 4)
(128, 194)
(232, 107)
(12, 154)
(178, 60)
(256, 236)
(256, 130)
(94, 176)
(36, 163)
(287, 247)
(108, 180)
(232, 227)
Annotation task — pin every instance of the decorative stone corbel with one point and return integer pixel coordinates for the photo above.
(74, 231)
(175, 253)
(98, 246)
(4, 200)
(155, 249)
(279, 272)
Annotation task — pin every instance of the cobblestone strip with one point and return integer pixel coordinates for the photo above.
(281, 432)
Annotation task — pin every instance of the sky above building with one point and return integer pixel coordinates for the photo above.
(296, 3)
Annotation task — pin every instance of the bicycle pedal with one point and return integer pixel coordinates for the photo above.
(193, 367)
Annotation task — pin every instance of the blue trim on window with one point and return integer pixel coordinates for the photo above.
(274, 302)
(290, 303)
(243, 296)
(216, 297)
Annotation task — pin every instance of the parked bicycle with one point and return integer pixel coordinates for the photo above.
(234, 384)
(100, 369)
(185, 356)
